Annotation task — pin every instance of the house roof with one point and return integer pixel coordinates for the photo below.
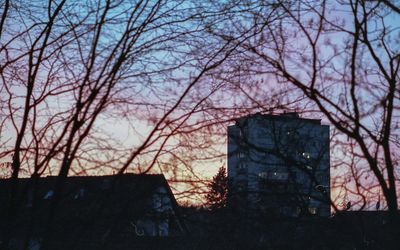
(283, 117)
(88, 205)
(85, 189)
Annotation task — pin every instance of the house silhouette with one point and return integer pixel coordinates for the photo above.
(92, 212)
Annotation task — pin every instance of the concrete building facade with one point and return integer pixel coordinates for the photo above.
(279, 165)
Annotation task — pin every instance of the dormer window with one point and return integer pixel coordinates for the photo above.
(160, 201)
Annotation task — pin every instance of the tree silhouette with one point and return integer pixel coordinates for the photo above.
(85, 66)
(218, 194)
(337, 78)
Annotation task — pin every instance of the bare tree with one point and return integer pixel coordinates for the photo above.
(347, 67)
(69, 69)
(71, 72)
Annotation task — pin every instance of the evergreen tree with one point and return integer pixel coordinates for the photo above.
(218, 190)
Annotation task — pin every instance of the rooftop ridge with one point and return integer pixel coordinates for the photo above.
(291, 115)
(95, 176)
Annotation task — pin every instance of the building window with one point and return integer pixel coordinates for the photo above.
(321, 188)
(263, 175)
(163, 227)
(48, 195)
(279, 176)
(312, 210)
(241, 186)
(242, 165)
(306, 155)
(285, 211)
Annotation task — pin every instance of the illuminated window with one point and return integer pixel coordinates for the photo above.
(279, 176)
(312, 210)
(263, 175)
(306, 155)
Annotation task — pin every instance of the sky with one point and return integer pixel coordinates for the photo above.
(148, 86)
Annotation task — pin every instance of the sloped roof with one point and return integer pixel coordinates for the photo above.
(89, 207)
(78, 191)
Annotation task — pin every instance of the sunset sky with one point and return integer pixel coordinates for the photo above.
(173, 76)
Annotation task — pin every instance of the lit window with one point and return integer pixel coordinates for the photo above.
(279, 176)
(241, 154)
(242, 165)
(312, 210)
(263, 175)
(306, 155)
